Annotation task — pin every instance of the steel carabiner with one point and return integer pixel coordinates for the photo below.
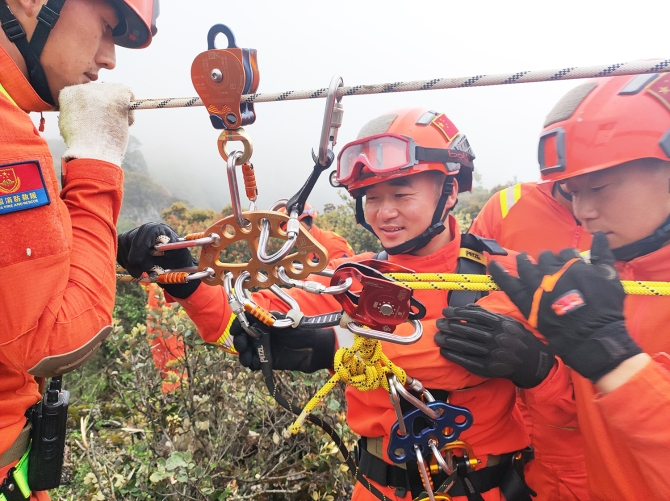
(332, 120)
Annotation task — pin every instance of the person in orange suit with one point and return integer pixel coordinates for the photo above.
(608, 143)
(167, 350)
(409, 166)
(57, 280)
(532, 218)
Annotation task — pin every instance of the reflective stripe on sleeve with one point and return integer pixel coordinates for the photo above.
(509, 197)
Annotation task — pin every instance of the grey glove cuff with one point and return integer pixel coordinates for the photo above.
(603, 351)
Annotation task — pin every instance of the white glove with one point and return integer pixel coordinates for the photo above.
(94, 120)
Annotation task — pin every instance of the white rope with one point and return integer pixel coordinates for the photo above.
(629, 68)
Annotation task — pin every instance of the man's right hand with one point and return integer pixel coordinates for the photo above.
(136, 255)
(292, 349)
(94, 120)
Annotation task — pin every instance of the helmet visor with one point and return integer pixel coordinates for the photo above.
(381, 154)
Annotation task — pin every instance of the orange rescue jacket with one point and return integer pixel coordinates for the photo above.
(336, 245)
(57, 279)
(626, 431)
(526, 217)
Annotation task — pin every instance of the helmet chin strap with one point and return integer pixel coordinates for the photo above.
(419, 242)
(645, 245)
(31, 51)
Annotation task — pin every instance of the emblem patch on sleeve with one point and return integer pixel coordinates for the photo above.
(22, 187)
(568, 302)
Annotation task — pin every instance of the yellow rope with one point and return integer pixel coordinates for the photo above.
(457, 281)
(440, 277)
(363, 365)
(460, 282)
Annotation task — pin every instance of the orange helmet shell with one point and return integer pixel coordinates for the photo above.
(428, 129)
(606, 122)
(137, 22)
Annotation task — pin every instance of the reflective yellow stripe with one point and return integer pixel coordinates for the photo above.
(509, 197)
(226, 340)
(6, 94)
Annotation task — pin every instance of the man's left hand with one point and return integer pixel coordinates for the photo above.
(577, 306)
(493, 346)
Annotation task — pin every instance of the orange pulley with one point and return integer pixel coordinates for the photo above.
(222, 76)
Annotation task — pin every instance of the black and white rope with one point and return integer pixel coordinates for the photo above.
(572, 73)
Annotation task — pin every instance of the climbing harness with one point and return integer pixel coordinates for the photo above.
(569, 73)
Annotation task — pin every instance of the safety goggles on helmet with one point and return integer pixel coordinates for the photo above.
(385, 154)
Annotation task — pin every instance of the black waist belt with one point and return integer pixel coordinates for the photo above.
(507, 474)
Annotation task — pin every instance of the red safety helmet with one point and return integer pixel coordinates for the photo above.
(402, 143)
(137, 22)
(137, 25)
(606, 122)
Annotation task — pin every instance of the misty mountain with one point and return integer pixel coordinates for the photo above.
(143, 199)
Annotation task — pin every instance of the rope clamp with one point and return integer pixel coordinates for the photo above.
(381, 306)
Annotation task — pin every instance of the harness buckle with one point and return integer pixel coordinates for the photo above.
(13, 30)
(48, 16)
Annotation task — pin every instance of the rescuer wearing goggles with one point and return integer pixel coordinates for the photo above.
(608, 143)
(57, 280)
(405, 172)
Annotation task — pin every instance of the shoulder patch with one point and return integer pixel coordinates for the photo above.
(22, 187)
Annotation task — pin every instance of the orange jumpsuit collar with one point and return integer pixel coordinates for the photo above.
(442, 260)
(17, 85)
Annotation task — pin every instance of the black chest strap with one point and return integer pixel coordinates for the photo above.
(472, 261)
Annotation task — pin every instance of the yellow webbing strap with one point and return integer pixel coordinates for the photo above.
(508, 197)
(6, 94)
(363, 365)
(477, 257)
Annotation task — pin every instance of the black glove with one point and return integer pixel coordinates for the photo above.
(493, 346)
(292, 349)
(578, 307)
(134, 254)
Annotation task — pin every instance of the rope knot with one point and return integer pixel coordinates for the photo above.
(362, 366)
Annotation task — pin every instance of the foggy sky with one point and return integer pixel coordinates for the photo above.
(302, 44)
